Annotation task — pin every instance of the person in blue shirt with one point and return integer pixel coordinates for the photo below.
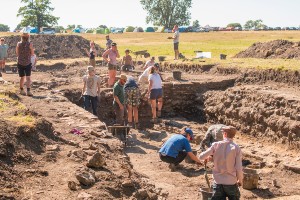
(176, 148)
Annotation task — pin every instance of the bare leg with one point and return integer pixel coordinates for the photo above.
(22, 79)
(136, 114)
(153, 106)
(176, 54)
(28, 81)
(129, 114)
(114, 73)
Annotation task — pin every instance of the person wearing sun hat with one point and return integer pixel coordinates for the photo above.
(24, 51)
(177, 147)
(227, 170)
(119, 99)
(3, 54)
(91, 89)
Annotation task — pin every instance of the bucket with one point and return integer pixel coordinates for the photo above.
(161, 58)
(177, 75)
(188, 159)
(223, 56)
(206, 195)
(250, 181)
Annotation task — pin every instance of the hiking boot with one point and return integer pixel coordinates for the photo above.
(22, 92)
(158, 113)
(172, 167)
(29, 93)
(137, 126)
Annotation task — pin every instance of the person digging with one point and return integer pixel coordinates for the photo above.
(213, 134)
(227, 170)
(176, 148)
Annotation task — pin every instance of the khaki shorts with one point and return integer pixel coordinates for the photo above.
(112, 67)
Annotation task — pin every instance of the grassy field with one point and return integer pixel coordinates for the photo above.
(229, 43)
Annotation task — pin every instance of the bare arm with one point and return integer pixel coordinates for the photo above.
(118, 102)
(150, 85)
(98, 86)
(104, 56)
(194, 158)
(118, 55)
(239, 167)
(209, 152)
(84, 87)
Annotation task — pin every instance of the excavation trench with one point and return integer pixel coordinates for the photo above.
(180, 100)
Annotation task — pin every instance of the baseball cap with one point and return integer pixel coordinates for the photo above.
(189, 131)
(113, 44)
(90, 69)
(156, 65)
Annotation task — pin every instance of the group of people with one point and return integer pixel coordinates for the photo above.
(222, 151)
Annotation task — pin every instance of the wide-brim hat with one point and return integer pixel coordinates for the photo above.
(123, 77)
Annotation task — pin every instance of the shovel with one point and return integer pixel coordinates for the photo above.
(206, 177)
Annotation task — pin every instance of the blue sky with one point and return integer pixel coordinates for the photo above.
(120, 13)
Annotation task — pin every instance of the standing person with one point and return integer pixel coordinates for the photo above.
(149, 63)
(108, 42)
(24, 51)
(118, 103)
(177, 147)
(213, 134)
(110, 56)
(127, 61)
(132, 101)
(92, 53)
(227, 171)
(3, 54)
(91, 89)
(175, 41)
(155, 93)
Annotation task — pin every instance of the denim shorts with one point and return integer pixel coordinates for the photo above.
(156, 93)
(24, 70)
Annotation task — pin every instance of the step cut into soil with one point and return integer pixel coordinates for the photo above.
(274, 49)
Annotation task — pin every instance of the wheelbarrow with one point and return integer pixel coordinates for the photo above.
(121, 132)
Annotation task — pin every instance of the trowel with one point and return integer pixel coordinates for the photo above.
(206, 177)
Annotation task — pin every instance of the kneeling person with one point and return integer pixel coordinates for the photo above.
(176, 148)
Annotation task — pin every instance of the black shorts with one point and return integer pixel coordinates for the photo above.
(176, 45)
(24, 70)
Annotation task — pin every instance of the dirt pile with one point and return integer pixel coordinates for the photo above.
(20, 146)
(53, 46)
(274, 49)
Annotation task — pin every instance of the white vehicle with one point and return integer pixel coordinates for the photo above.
(48, 31)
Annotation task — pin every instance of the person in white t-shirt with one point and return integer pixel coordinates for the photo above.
(155, 92)
(91, 89)
(175, 41)
(149, 63)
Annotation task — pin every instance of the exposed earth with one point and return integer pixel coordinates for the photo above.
(274, 49)
(42, 159)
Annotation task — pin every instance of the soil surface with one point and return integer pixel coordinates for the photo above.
(44, 160)
(273, 49)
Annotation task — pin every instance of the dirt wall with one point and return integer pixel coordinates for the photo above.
(263, 112)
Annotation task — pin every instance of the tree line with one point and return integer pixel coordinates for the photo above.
(167, 13)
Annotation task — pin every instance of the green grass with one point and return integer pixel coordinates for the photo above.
(13, 110)
(229, 43)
